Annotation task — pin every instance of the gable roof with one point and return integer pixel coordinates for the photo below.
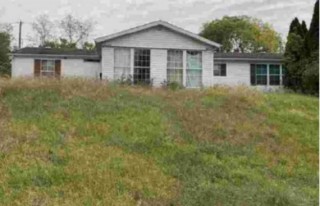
(154, 24)
(248, 56)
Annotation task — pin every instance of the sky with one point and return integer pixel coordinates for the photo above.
(115, 15)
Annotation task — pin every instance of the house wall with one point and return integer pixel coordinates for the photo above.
(158, 40)
(24, 67)
(157, 37)
(238, 73)
(80, 68)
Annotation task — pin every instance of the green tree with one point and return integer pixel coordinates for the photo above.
(5, 63)
(301, 56)
(312, 38)
(242, 33)
(62, 44)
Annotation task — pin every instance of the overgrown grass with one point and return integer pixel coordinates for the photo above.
(79, 142)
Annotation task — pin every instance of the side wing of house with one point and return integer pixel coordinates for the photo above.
(158, 55)
(263, 71)
(30, 64)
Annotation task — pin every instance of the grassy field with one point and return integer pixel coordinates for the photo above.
(76, 142)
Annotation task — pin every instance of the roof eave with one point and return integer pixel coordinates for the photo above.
(72, 56)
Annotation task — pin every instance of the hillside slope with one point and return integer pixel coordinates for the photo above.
(76, 142)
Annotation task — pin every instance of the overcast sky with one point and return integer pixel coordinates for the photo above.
(115, 15)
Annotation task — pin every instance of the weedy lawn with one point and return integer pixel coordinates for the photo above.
(79, 142)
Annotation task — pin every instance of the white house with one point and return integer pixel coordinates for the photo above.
(155, 53)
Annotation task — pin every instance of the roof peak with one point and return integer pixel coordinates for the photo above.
(153, 24)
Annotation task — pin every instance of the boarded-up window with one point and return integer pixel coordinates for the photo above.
(121, 63)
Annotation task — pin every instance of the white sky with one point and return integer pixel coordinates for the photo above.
(116, 15)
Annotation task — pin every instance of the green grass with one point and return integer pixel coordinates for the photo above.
(77, 142)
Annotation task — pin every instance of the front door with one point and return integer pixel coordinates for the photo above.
(141, 66)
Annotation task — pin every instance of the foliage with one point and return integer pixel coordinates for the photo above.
(89, 46)
(81, 142)
(242, 33)
(61, 44)
(301, 57)
(43, 27)
(74, 32)
(5, 63)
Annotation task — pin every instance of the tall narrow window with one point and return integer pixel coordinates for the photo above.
(194, 69)
(142, 66)
(220, 70)
(121, 63)
(175, 66)
(274, 74)
(259, 74)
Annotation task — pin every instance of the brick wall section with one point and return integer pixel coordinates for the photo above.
(207, 68)
(158, 66)
(107, 63)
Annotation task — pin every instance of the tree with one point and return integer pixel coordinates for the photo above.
(89, 46)
(43, 27)
(5, 65)
(242, 33)
(62, 44)
(301, 57)
(74, 30)
(313, 33)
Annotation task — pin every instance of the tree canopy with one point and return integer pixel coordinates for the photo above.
(242, 33)
(66, 33)
(301, 57)
(5, 41)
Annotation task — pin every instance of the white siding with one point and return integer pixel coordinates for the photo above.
(107, 63)
(79, 68)
(207, 68)
(238, 73)
(22, 67)
(157, 37)
(158, 66)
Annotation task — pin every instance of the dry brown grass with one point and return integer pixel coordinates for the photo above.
(67, 87)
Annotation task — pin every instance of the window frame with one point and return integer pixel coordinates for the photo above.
(271, 83)
(190, 70)
(142, 73)
(175, 66)
(220, 73)
(52, 71)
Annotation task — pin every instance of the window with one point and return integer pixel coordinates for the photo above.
(47, 68)
(274, 74)
(142, 66)
(175, 66)
(194, 69)
(220, 70)
(121, 63)
(259, 74)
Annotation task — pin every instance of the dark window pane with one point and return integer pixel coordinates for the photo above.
(253, 74)
(275, 80)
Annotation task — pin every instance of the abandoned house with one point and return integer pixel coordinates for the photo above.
(156, 53)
